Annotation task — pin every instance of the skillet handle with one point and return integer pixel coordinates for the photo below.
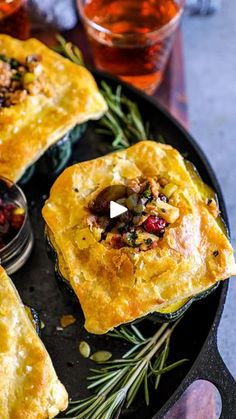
(213, 369)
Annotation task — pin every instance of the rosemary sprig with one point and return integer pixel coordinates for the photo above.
(117, 382)
(123, 120)
(69, 50)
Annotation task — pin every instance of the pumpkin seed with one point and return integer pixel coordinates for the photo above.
(101, 356)
(42, 324)
(84, 349)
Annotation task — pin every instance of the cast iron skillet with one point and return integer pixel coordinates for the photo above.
(195, 337)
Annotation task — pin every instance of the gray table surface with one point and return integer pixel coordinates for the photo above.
(210, 53)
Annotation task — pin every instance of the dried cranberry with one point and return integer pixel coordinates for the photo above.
(155, 225)
(7, 214)
(2, 218)
(116, 242)
(10, 207)
(7, 210)
(162, 197)
(4, 228)
(17, 221)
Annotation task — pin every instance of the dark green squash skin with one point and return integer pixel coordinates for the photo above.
(170, 317)
(63, 284)
(55, 159)
(156, 317)
(35, 319)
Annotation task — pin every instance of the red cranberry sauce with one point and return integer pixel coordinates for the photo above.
(11, 220)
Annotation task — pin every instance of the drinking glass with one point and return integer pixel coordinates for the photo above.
(15, 253)
(132, 39)
(14, 19)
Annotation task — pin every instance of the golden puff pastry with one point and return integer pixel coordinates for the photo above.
(54, 96)
(167, 248)
(29, 386)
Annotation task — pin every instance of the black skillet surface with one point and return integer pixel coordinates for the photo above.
(195, 336)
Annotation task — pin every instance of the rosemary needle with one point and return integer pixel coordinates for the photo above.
(117, 382)
(123, 120)
(69, 50)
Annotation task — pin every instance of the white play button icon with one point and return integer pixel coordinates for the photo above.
(116, 209)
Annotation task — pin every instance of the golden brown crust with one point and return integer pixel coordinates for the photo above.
(32, 126)
(116, 286)
(29, 387)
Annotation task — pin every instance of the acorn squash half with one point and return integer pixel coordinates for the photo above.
(29, 386)
(55, 159)
(43, 97)
(119, 281)
(34, 318)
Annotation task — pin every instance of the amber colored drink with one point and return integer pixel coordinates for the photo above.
(131, 38)
(14, 19)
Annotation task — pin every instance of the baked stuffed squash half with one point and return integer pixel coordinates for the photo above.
(29, 386)
(43, 96)
(168, 247)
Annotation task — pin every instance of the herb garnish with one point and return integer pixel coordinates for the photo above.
(147, 193)
(14, 64)
(117, 382)
(17, 76)
(69, 50)
(123, 120)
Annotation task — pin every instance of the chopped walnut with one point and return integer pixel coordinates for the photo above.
(17, 80)
(17, 96)
(34, 63)
(154, 187)
(134, 184)
(163, 181)
(5, 74)
(92, 221)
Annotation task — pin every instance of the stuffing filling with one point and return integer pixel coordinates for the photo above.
(144, 224)
(17, 79)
